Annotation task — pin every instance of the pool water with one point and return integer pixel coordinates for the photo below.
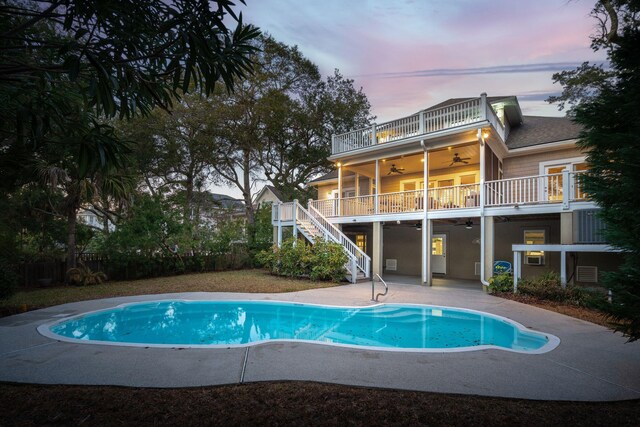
(230, 323)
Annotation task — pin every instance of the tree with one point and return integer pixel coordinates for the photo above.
(607, 104)
(122, 58)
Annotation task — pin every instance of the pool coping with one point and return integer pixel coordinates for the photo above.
(552, 341)
(591, 363)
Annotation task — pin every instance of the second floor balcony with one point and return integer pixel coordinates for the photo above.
(556, 191)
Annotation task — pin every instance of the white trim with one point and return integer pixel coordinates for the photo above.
(544, 147)
(543, 166)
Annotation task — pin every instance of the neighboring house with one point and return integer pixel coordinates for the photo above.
(215, 208)
(452, 189)
(268, 195)
(91, 219)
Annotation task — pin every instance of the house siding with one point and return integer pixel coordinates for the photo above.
(529, 165)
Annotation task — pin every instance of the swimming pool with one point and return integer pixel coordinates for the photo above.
(401, 327)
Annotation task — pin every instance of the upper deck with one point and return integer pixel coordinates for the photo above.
(426, 123)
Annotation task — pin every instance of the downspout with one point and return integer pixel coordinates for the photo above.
(482, 240)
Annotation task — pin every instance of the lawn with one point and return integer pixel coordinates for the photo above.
(291, 403)
(250, 281)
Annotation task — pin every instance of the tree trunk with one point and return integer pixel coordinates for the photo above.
(246, 193)
(71, 240)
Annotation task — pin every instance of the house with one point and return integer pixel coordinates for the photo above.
(90, 218)
(453, 188)
(212, 208)
(268, 195)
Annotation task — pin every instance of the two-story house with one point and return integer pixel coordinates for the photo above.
(452, 189)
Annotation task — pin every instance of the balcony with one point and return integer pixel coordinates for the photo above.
(554, 190)
(426, 122)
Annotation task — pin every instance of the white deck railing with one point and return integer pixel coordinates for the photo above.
(555, 188)
(424, 122)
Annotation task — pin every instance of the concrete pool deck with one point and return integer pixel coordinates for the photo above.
(591, 363)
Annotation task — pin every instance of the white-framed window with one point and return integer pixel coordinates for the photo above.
(553, 187)
(534, 237)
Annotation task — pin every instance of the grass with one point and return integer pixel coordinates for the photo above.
(291, 403)
(250, 281)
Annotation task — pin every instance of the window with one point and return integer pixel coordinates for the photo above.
(534, 237)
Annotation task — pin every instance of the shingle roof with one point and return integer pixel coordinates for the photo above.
(275, 192)
(331, 175)
(536, 130)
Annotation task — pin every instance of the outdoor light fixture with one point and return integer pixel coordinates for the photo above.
(338, 164)
(485, 135)
(419, 227)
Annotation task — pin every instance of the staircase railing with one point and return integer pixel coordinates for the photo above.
(363, 261)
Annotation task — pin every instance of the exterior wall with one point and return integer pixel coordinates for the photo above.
(512, 232)
(461, 251)
(529, 165)
(324, 190)
(267, 197)
(403, 243)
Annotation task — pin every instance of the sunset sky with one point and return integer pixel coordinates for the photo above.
(409, 54)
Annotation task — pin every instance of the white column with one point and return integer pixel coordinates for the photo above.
(566, 189)
(357, 184)
(339, 189)
(517, 269)
(377, 248)
(279, 224)
(489, 234)
(295, 221)
(428, 258)
(481, 145)
(376, 209)
(563, 269)
(426, 245)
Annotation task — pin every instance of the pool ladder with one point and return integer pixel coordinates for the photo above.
(373, 285)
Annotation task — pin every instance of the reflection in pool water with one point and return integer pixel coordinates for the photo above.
(242, 322)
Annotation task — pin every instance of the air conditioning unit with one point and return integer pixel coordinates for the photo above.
(534, 260)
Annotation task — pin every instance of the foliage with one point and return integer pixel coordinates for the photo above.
(263, 233)
(83, 276)
(610, 117)
(123, 57)
(502, 282)
(547, 287)
(320, 261)
(8, 279)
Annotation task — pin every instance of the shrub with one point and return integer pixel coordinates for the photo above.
(8, 280)
(320, 261)
(548, 287)
(502, 282)
(83, 276)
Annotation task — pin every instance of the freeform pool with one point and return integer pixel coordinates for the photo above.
(405, 327)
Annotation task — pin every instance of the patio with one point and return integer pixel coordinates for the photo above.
(591, 363)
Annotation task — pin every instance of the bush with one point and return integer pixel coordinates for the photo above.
(8, 280)
(502, 282)
(320, 261)
(548, 287)
(83, 276)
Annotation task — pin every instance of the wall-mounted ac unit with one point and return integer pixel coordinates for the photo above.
(391, 264)
(534, 260)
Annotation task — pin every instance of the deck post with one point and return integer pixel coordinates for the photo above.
(426, 246)
(517, 256)
(483, 241)
(295, 221)
(483, 105)
(279, 224)
(339, 189)
(566, 189)
(563, 269)
(374, 136)
(376, 207)
(377, 247)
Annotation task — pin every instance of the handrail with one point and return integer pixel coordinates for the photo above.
(362, 259)
(380, 294)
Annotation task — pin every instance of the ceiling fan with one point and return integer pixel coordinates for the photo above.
(468, 224)
(458, 159)
(394, 169)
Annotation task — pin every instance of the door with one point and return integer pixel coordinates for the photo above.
(439, 254)
(553, 186)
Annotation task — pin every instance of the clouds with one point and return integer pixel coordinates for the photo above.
(410, 54)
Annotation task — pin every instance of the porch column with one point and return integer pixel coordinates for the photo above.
(279, 224)
(488, 233)
(427, 236)
(566, 238)
(377, 248)
(563, 269)
(357, 184)
(295, 221)
(375, 198)
(517, 257)
(339, 188)
(483, 242)
(426, 224)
